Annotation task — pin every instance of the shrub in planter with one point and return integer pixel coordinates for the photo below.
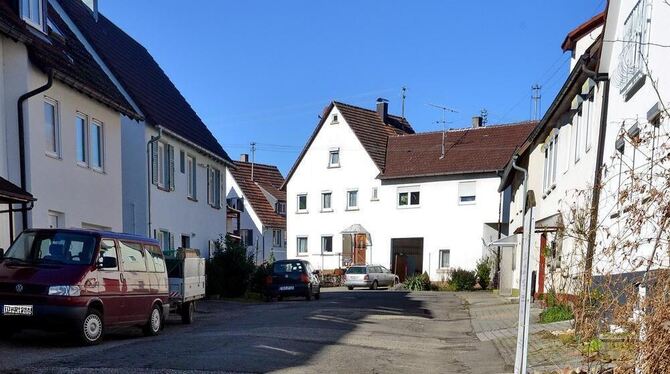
(419, 282)
(483, 271)
(463, 280)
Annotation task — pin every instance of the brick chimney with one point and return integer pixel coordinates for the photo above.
(244, 157)
(477, 121)
(382, 108)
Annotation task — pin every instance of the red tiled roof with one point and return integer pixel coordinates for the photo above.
(471, 150)
(368, 127)
(159, 100)
(581, 30)
(267, 176)
(65, 56)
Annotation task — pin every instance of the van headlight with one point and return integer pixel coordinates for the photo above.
(64, 291)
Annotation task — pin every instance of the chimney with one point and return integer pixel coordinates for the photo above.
(477, 121)
(93, 7)
(244, 157)
(382, 108)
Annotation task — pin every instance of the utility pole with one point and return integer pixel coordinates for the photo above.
(536, 102)
(403, 96)
(444, 124)
(253, 159)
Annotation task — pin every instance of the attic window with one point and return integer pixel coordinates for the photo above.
(32, 11)
(335, 119)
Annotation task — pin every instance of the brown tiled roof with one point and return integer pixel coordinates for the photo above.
(267, 176)
(471, 150)
(581, 30)
(11, 193)
(65, 56)
(159, 100)
(368, 127)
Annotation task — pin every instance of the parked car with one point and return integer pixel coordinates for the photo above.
(370, 276)
(293, 278)
(82, 281)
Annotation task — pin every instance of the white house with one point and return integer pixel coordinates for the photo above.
(60, 130)
(561, 157)
(173, 167)
(366, 189)
(257, 208)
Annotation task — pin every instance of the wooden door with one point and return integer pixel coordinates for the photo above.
(360, 249)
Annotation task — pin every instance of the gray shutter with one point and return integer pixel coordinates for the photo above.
(209, 197)
(250, 237)
(182, 162)
(217, 184)
(154, 163)
(171, 165)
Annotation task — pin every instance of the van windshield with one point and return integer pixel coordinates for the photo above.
(52, 247)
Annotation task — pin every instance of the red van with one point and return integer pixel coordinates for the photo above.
(83, 281)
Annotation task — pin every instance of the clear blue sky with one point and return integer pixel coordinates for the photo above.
(263, 70)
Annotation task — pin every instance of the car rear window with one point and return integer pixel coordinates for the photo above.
(357, 270)
(287, 267)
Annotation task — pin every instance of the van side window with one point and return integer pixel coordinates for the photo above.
(132, 256)
(157, 257)
(151, 267)
(108, 249)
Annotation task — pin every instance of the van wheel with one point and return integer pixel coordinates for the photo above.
(350, 288)
(308, 297)
(187, 312)
(91, 328)
(317, 296)
(155, 322)
(7, 332)
(374, 285)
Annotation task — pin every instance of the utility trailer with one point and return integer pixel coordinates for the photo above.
(186, 275)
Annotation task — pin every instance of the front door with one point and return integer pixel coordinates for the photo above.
(360, 249)
(541, 270)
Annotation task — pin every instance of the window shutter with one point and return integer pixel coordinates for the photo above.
(209, 190)
(170, 150)
(217, 189)
(171, 242)
(182, 162)
(154, 163)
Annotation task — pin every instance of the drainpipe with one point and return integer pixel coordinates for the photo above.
(153, 140)
(22, 145)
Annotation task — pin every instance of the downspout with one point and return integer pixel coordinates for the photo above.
(153, 140)
(496, 277)
(22, 145)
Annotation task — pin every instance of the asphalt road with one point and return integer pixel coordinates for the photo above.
(345, 332)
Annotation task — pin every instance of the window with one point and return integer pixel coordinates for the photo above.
(191, 177)
(302, 245)
(590, 120)
(635, 37)
(132, 256)
(51, 127)
(276, 238)
(467, 193)
(156, 258)
(302, 203)
(32, 11)
(352, 200)
(326, 205)
(409, 197)
(375, 194)
(246, 237)
(82, 135)
(280, 207)
(445, 255)
(56, 219)
(162, 164)
(335, 120)
(214, 187)
(182, 162)
(334, 158)
(97, 145)
(550, 162)
(186, 241)
(326, 244)
(165, 239)
(108, 250)
(577, 131)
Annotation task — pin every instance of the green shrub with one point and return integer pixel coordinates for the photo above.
(419, 282)
(260, 275)
(463, 280)
(229, 272)
(555, 313)
(483, 272)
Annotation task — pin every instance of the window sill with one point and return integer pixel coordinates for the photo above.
(302, 254)
(162, 188)
(192, 199)
(334, 166)
(302, 212)
(55, 156)
(327, 210)
(97, 170)
(377, 199)
(408, 206)
(467, 203)
(215, 207)
(353, 209)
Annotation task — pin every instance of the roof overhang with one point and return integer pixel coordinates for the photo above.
(581, 30)
(13, 194)
(445, 174)
(551, 223)
(211, 154)
(507, 241)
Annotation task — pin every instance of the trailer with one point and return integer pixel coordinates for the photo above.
(186, 275)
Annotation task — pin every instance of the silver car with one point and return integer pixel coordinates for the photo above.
(369, 276)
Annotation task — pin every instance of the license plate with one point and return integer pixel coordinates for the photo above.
(17, 310)
(286, 288)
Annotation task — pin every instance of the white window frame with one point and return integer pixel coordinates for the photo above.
(280, 207)
(577, 132)
(336, 119)
(374, 194)
(298, 239)
(297, 200)
(160, 164)
(550, 151)
(409, 191)
(461, 196)
(323, 242)
(448, 251)
(56, 153)
(191, 177)
(40, 24)
(323, 200)
(590, 120)
(100, 126)
(333, 152)
(277, 238)
(214, 187)
(348, 194)
(84, 138)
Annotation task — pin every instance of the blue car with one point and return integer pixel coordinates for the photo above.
(293, 278)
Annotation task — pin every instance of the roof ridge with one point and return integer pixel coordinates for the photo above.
(511, 124)
(238, 162)
(368, 110)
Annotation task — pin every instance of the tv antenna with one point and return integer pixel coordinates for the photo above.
(536, 102)
(403, 96)
(444, 123)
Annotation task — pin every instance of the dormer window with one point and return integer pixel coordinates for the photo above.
(32, 11)
(280, 207)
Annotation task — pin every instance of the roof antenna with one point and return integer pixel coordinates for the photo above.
(403, 95)
(253, 159)
(485, 116)
(536, 102)
(444, 124)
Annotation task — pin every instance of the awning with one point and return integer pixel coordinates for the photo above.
(507, 241)
(549, 224)
(356, 229)
(13, 194)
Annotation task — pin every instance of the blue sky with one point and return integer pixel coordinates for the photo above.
(264, 70)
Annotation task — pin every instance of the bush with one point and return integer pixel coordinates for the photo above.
(229, 272)
(463, 280)
(260, 275)
(418, 282)
(555, 313)
(484, 272)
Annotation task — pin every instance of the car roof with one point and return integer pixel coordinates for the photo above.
(101, 234)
